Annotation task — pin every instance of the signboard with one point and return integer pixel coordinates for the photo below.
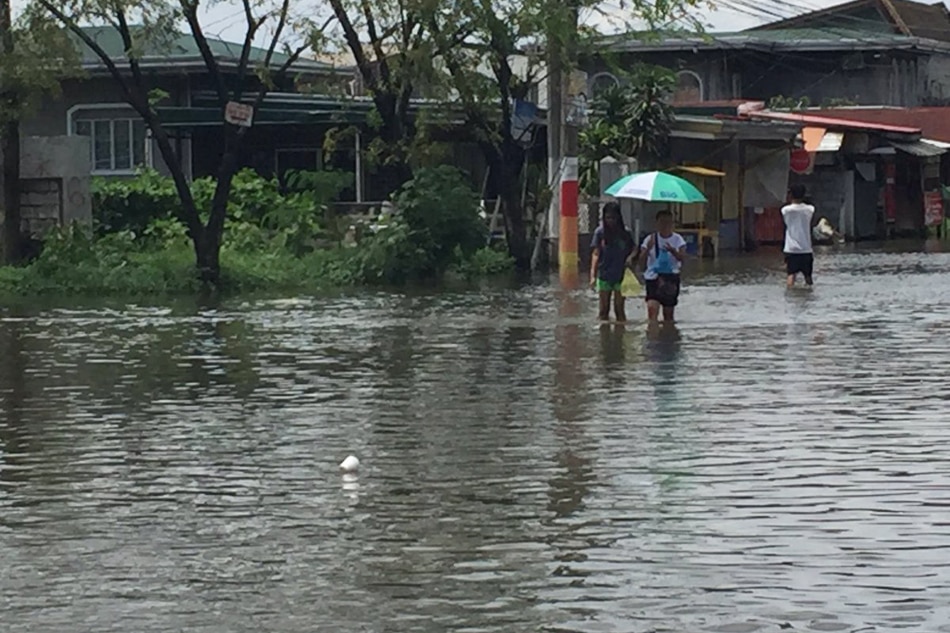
(577, 106)
(800, 161)
(933, 208)
(238, 114)
(524, 116)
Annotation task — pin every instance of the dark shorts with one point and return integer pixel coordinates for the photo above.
(665, 290)
(796, 263)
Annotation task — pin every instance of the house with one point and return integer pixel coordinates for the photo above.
(880, 52)
(93, 106)
(871, 180)
(737, 162)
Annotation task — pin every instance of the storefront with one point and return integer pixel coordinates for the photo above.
(869, 180)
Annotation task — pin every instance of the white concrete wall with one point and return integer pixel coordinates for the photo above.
(55, 172)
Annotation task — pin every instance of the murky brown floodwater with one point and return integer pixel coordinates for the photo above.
(780, 462)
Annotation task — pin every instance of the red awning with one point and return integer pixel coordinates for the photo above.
(828, 122)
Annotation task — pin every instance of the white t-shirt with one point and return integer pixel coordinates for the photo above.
(675, 240)
(797, 218)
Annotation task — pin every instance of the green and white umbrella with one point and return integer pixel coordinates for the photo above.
(655, 186)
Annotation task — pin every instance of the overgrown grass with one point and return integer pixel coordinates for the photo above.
(112, 266)
(271, 244)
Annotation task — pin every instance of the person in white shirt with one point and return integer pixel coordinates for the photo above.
(661, 258)
(799, 255)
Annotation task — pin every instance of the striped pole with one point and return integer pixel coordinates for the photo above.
(567, 236)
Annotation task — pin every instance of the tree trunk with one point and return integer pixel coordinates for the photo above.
(12, 220)
(395, 170)
(208, 248)
(506, 167)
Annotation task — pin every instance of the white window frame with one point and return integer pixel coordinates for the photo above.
(602, 75)
(130, 119)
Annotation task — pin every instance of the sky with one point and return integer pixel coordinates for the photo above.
(225, 18)
(718, 15)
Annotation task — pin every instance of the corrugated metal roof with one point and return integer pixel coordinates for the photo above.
(830, 122)
(797, 39)
(934, 122)
(909, 17)
(919, 148)
(178, 50)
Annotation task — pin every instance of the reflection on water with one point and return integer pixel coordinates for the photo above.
(776, 460)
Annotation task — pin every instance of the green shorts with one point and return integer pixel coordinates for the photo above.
(608, 286)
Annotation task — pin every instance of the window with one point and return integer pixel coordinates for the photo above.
(602, 82)
(118, 145)
(689, 87)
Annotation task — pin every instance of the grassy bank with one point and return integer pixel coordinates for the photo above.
(273, 242)
(118, 265)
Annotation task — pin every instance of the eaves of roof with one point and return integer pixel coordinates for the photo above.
(759, 41)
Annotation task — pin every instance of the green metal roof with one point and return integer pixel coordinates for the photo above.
(300, 109)
(178, 50)
(811, 38)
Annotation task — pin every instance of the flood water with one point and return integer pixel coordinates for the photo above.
(780, 461)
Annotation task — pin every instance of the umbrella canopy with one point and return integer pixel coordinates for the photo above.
(655, 186)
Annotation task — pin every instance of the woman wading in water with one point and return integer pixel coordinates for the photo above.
(611, 247)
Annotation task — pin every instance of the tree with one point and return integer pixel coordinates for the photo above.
(500, 61)
(482, 74)
(393, 51)
(34, 56)
(156, 22)
(629, 121)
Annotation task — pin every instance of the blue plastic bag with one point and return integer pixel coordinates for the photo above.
(663, 264)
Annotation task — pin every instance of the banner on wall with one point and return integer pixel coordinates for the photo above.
(933, 208)
(766, 177)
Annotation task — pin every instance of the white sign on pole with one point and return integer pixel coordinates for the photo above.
(239, 114)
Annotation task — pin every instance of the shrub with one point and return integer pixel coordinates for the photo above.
(438, 224)
(485, 262)
(129, 204)
(441, 210)
(133, 204)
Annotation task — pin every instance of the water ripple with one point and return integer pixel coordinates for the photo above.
(778, 462)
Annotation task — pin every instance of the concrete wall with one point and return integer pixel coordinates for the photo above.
(831, 191)
(54, 182)
(864, 78)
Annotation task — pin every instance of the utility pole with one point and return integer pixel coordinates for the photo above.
(555, 96)
(562, 143)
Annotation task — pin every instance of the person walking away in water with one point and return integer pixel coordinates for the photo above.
(662, 258)
(799, 254)
(611, 247)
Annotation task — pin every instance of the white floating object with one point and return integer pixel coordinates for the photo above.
(350, 464)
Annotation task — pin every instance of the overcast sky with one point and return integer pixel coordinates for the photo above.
(225, 19)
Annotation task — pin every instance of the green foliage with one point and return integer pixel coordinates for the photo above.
(628, 121)
(131, 204)
(258, 211)
(437, 230)
(780, 102)
(438, 223)
(485, 262)
(43, 56)
(73, 261)
(838, 102)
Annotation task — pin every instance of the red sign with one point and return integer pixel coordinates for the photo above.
(800, 161)
(933, 208)
(890, 191)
